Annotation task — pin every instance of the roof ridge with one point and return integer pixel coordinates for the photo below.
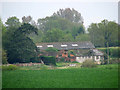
(64, 42)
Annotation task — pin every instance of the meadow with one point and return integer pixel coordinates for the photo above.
(103, 76)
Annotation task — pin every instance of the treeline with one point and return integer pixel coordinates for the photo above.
(66, 25)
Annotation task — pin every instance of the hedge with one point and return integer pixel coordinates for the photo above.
(10, 67)
(48, 60)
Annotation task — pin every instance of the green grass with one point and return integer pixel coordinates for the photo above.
(100, 77)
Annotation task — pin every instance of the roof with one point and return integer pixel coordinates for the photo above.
(97, 52)
(66, 45)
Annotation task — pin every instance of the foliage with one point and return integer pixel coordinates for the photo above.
(67, 38)
(51, 49)
(20, 48)
(35, 59)
(37, 38)
(71, 15)
(53, 35)
(83, 37)
(12, 22)
(10, 67)
(114, 61)
(104, 34)
(113, 51)
(26, 19)
(55, 29)
(88, 63)
(4, 57)
(48, 60)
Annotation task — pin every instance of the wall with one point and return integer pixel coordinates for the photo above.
(81, 59)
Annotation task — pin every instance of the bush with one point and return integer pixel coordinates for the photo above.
(88, 63)
(10, 67)
(48, 60)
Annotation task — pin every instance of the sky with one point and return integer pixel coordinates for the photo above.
(92, 11)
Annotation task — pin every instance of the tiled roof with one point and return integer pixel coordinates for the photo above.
(66, 45)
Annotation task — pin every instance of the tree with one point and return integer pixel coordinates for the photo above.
(77, 29)
(53, 35)
(13, 22)
(103, 33)
(82, 37)
(67, 38)
(20, 47)
(37, 38)
(71, 15)
(27, 19)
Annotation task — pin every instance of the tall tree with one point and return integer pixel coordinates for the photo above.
(103, 33)
(71, 15)
(20, 47)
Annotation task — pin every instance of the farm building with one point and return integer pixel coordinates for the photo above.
(72, 51)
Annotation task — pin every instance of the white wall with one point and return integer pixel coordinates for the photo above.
(82, 59)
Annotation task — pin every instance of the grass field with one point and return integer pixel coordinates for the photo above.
(104, 76)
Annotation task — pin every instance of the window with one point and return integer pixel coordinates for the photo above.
(74, 44)
(49, 45)
(64, 45)
(39, 46)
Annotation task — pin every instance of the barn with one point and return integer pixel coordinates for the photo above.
(73, 51)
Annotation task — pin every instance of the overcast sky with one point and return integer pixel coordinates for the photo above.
(92, 12)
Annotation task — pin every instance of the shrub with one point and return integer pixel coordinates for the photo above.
(10, 67)
(88, 63)
(48, 60)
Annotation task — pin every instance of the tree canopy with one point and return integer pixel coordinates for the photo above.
(103, 32)
(20, 47)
